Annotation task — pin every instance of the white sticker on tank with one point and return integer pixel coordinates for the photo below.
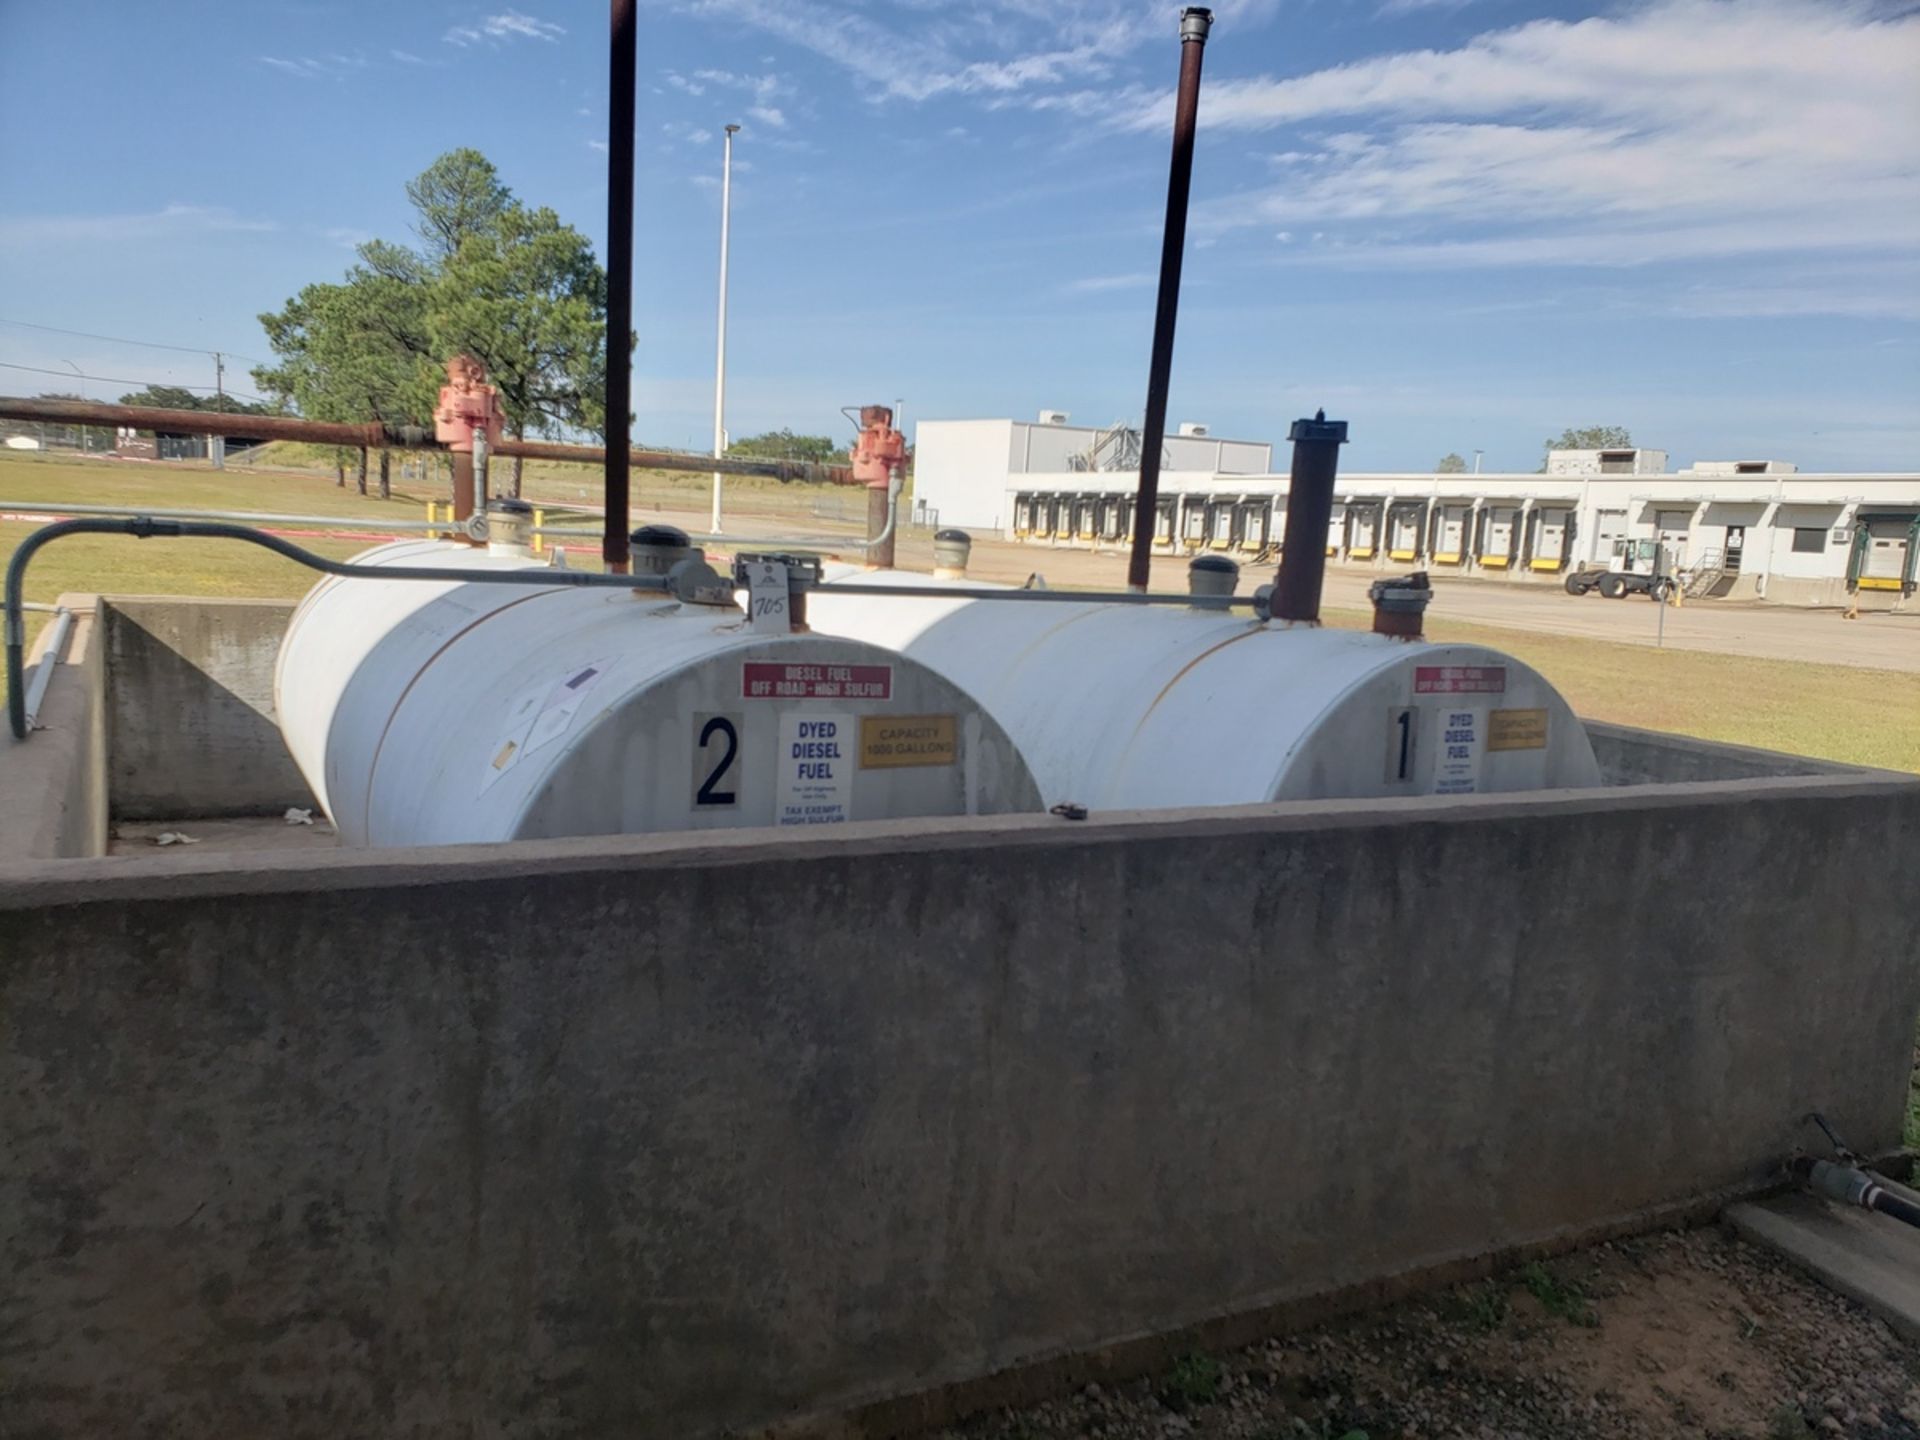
(767, 597)
(563, 703)
(513, 739)
(816, 764)
(1463, 735)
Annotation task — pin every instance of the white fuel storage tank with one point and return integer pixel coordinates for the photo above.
(434, 713)
(1119, 706)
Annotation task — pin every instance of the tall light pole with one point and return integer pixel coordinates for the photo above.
(1476, 460)
(720, 356)
(80, 430)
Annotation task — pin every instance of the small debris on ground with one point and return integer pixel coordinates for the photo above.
(174, 837)
(297, 816)
(1686, 1335)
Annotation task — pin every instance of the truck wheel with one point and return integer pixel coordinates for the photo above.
(1659, 591)
(1576, 585)
(1612, 586)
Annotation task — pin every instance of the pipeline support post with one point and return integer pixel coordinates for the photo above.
(1195, 22)
(879, 456)
(1303, 551)
(620, 107)
(469, 409)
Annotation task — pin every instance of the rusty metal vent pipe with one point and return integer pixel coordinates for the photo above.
(1400, 606)
(1303, 552)
(1194, 25)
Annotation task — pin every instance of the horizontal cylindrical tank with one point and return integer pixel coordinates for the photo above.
(1135, 707)
(427, 713)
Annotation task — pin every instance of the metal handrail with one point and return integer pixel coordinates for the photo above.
(145, 528)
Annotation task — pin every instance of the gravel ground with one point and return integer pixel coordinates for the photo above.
(1669, 1337)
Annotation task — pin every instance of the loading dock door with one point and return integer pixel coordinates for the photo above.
(1496, 548)
(1453, 533)
(1193, 521)
(1884, 563)
(1254, 518)
(1403, 532)
(1671, 528)
(1608, 526)
(1366, 532)
(1550, 539)
(1337, 530)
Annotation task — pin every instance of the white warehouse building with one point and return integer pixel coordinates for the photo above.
(1734, 529)
(960, 467)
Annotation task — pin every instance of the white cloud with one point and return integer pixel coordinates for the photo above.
(1687, 130)
(407, 57)
(508, 25)
(168, 222)
(315, 67)
(768, 115)
(1096, 284)
(936, 49)
(762, 87)
(680, 82)
(599, 145)
(1410, 7)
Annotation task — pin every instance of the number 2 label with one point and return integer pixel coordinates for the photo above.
(716, 745)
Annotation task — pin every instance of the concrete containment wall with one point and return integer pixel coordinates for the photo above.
(652, 1137)
(190, 725)
(1632, 756)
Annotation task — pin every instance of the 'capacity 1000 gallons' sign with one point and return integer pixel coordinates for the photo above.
(815, 769)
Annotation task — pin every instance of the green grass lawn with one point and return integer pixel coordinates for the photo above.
(1868, 717)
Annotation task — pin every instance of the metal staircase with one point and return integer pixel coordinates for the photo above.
(1706, 573)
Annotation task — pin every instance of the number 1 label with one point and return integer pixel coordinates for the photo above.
(1403, 723)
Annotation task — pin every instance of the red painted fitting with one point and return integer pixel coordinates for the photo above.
(878, 449)
(467, 403)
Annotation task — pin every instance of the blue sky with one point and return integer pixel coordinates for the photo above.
(1457, 224)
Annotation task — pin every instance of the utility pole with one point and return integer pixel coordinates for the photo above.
(720, 358)
(217, 444)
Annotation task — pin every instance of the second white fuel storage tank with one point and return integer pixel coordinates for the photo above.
(1123, 706)
(432, 713)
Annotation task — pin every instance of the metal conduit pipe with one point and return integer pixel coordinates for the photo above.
(376, 436)
(371, 435)
(373, 524)
(1070, 597)
(1853, 1186)
(50, 657)
(146, 528)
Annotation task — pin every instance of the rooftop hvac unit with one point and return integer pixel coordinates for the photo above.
(1194, 430)
(1054, 417)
